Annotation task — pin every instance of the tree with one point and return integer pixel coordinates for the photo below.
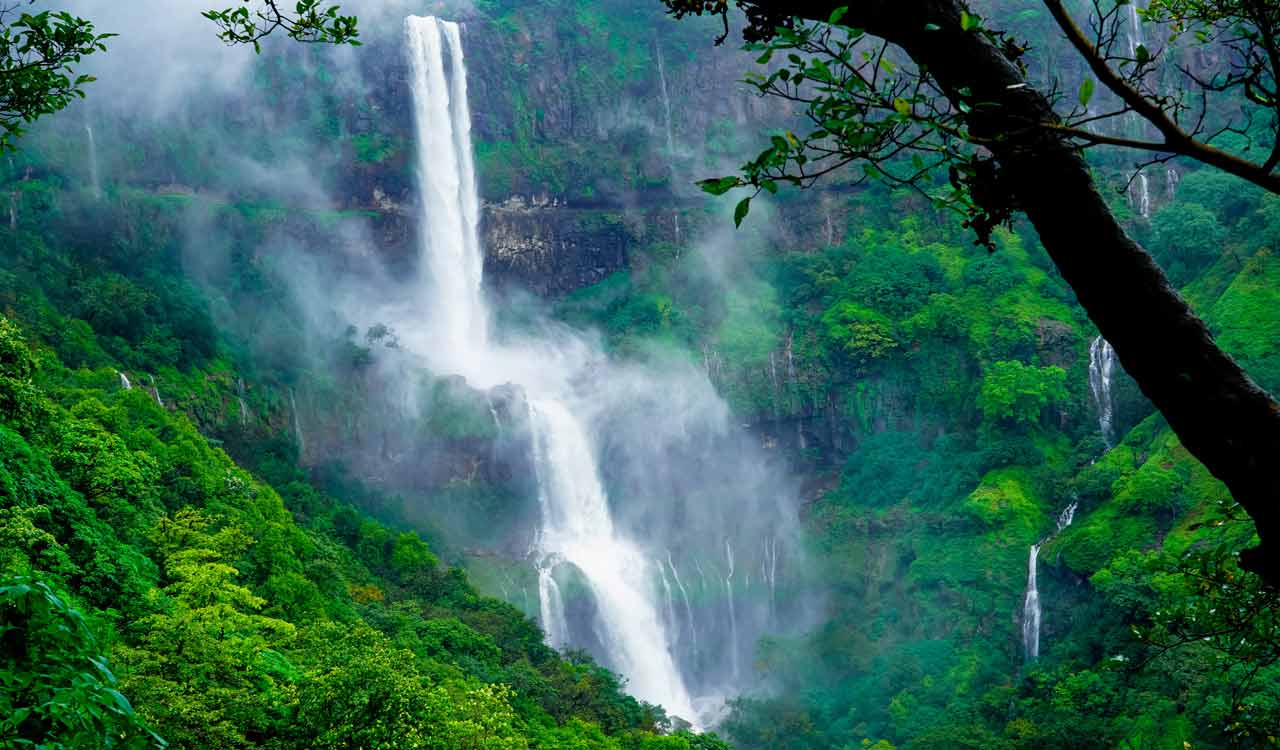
(1017, 392)
(40, 52)
(911, 88)
(56, 689)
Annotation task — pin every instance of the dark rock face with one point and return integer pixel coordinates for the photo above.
(551, 250)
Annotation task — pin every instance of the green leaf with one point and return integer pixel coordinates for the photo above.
(902, 106)
(1143, 54)
(740, 213)
(969, 21)
(837, 14)
(718, 186)
(1086, 92)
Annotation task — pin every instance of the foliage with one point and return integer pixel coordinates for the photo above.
(1019, 393)
(39, 54)
(310, 21)
(57, 690)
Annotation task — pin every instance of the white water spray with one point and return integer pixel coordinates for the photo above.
(124, 381)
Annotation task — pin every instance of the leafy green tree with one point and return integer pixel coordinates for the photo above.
(1018, 393)
(56, 689)
(39, 54)
(199, 670)
(1189, 237)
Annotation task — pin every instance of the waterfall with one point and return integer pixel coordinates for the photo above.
(124, 381)
(244, 406)
(1031, 610)
(671, 141)
(453, 264)
(1102, 367)
(1141, 198)
(1031, 604)
(95, 182)
(551, 607)
(297, 423)
(733, 615)
(1171, 180)
(672, 623)
(577, 526)
(155, 391)
(688, 608)
(1140, 187)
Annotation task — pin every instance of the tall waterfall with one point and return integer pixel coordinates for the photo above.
(1102, 368)
(578, 532)
(1031, 604)
(95, 181)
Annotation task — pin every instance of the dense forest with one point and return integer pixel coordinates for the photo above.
(411, 394)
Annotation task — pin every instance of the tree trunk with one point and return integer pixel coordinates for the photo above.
(1222, 417)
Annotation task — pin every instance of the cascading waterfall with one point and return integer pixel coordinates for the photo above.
(155, 391)
(1031, 613)
(551, 608)
(577, 528)
(1102, 367)
(578, 533)
(1171, 180)
(124, 381)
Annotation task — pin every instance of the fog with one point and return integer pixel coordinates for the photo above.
(699, 550)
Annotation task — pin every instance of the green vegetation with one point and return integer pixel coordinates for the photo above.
(194, 574)
(139, 560)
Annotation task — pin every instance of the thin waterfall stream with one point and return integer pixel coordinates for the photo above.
(1102, 371)
(1031, 613)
